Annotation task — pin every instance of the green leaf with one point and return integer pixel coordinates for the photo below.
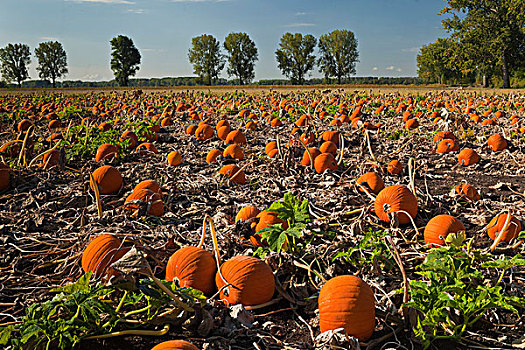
(5, 334)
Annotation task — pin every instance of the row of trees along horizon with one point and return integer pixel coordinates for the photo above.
(487, 44)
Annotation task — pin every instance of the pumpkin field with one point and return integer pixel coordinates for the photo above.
(268, 219)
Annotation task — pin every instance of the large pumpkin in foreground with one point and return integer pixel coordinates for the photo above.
(347, 302)
(175, 345)
(438, 228)
(395, 198)
(108, 179)
(101, 252)
(192, 267)
(252, 281)
(496, 225)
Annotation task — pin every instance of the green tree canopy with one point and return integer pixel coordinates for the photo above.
(436, 62)
(52, 60)
(242, 54)
(295, 56)
(125, 59)
(14, 59)
(339, 54)
(492, 33)
(206, 57)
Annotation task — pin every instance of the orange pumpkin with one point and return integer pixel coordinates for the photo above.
(325, 161)
(331, 135)
(446, 146)
(267, 218)
(314, 152)
(108, 179)
(223, 132)
(131, 136)
(276, 122)
(166, 122)
(497, 142)
(347, 302)
(443, 135)
(204, 132)
(307, 138)
(247, 213)
(212, 155)
(190, 130)
(394, 198)
(175, 345)
(438, 228)
(11, 149)
(4, 176)
(328, 147)
(105, 127)
(24, 125)
(150, 185)
(251, 281)
(222, 123)
(371, 181)
(101, 252)
(411, 124)
(230, 170)
(51, 159)
(468, 191)
(146, 148)
(468, 157)
(236, 136)
(192, 267)
(394, 167)
(174, 158)
(234, 151)
(270, 146)
(55, 124)
(147, 197)
(105, 152)
(496, 224)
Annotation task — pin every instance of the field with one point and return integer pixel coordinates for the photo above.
(458, 282)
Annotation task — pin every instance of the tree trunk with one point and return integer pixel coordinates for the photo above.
(505, 72)
(339, 79)
(53, 82)
(485, 81)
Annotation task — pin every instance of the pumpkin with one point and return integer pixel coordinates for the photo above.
(11, 149)
(51, 159)
(230, 170)
(204, 132)
(314, 152)
(468, 157)
(251, 125)
(146, 148)
(234, 151)
(276, 122)
(302, 121)
(175, 345)
(331, 135)
(223, 132)
(247, 213)
(443, 135)
(497, 142)
(212, 155)
(347, 302)
(222, 123)
(101, 252)
(395, 198)
(166, 122)
(328, 147)
(468, 191)
(54, 124)
(105, 127)
(190, 130)
(55, 137)
(438, 228)
(131, 136)
(236, 136)
(4, 176)
(251, 281)
(496, 224)
(411, 124)
(108, 179)
(307, 138)
(150, 185)
(174, 158)
(24, 125)
(270, 146)
(192, 267)
(105, 152)
(394, 167)
(371, 181)
(325, 161)
(267, 218)
(146, 197)
(446, 146)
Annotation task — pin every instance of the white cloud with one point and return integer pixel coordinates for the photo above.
(93, 76)
(48, 38)
(390, 68)
(136, 11)
(399, 69)
(153, 50)
(410, 49)
(375, 68)
(291, 25)
(300, 13)
(125, 2)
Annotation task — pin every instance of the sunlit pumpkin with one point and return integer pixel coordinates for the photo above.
(204, 132)
(324, 162)
(496, 225)
(101, 252)
(147, 148)
(497, 143)
(328, 147)
(371, 181)
(468, 157)
(446, 146)
(212, 155)
(174, 158)
(192, 267)
(175, 345)
(468, 191)
(394, 167)
(145, 198)
(234, 151)
(438, 228)
(230, 171)
(106, 152)
(108, 179)
(236, 136)
(394, 198)
(150, 185)
(247, 213)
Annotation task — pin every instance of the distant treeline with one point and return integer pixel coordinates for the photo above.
(196, 81)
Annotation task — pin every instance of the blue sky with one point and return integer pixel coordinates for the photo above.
(389, 32)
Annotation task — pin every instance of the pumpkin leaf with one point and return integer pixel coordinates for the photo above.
(81, 285)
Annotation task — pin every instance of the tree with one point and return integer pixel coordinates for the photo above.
(206, 57)
(492, 31)
(52, 60)
(435, 61)
(242, 54)
(339, 54)
(295, 56)
(125, 59)
(15, 58)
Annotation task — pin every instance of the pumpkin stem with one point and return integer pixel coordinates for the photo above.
(367, 137)
(24, 144)
(203, 235)
(365, 190)
(97, 195)
(406, 285)
(260, 306)
(131, 332)
(411, 220)
(412, 175)
(342, 142)
(43, 154)
(214, 237)
(499, 237)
